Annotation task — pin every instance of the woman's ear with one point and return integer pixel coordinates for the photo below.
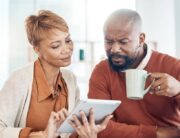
(36, 49)
(142, 39)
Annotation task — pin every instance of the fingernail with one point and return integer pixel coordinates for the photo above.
(110, 116)
(151, 92)
(69, 121)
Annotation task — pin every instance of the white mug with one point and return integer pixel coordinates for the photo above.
(135, 83)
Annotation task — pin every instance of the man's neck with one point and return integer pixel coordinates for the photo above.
(141, 54)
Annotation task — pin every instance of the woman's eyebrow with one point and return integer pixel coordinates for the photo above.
(68, 36)
(58, 41)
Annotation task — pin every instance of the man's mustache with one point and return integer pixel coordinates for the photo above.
(117, 56)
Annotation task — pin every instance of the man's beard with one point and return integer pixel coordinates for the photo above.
(128, 62)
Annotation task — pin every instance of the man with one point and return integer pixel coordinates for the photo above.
(157, 115)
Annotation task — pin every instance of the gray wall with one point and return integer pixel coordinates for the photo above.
(4, 51)
(177, 26)
(159, 23)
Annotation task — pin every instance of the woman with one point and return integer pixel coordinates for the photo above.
(35, 99)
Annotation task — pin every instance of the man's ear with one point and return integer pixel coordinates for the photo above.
(142, 39)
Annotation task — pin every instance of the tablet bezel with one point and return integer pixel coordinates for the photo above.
(105, 106)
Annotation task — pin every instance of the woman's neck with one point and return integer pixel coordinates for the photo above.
(51, 72)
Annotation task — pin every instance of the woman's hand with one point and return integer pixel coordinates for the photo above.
(88, 129)
(54, 122)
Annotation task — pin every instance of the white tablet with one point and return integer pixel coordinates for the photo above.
(101, 108)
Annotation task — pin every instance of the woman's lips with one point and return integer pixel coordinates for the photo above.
(65, 59)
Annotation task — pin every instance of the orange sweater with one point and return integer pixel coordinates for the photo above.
(136, 118)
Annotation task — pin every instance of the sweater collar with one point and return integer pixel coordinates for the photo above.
(146, 59)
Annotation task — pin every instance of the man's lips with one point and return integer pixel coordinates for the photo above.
(118, 60)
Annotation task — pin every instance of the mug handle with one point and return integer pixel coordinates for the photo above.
(148, 88)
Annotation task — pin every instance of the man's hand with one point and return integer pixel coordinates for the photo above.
(165, 84)
(168, 132)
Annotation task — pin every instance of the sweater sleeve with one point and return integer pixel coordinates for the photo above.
(171, 66)
(11, 98)
(121, 130)
(98, 89)
(177, 98)
(25, 132)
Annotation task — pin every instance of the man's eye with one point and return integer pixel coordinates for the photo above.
(123, 42)
(109, 42)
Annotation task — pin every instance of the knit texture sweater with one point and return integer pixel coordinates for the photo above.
(136, 118)
(15, 100)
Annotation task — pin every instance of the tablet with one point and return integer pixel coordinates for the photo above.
(101, 108)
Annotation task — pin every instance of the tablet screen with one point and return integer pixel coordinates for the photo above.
(101, 109)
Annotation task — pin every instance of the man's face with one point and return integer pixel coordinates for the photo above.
(121, 45)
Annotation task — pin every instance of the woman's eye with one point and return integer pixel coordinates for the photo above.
(55, 46)
(69, 41)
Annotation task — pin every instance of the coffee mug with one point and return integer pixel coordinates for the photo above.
(135, 83)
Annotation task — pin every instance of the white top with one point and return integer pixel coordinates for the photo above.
(15, 99)
(146, 59)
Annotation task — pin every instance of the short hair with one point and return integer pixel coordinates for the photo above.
(39, 26)
(129, 17)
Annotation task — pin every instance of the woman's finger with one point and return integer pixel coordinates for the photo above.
(105, 122)
(76, 121)
(74, 135)
(84, 119)
(65, 111)
(53, 114)
(72, 123)
(62, 115)
(91, 117)
(56, 135)
(53, 117)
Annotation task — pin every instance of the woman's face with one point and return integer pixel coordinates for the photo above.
(56, 49)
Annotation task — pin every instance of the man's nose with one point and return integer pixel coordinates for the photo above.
(116, 47)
